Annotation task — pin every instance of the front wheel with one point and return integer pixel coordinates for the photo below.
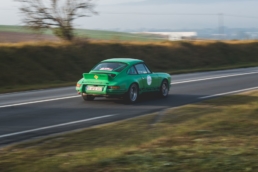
(164, 89)
(88, 98)
(132, 94)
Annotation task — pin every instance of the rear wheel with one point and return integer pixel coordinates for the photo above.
(132, 94)
(164, 89)
(88, 98)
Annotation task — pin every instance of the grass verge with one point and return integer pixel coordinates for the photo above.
(216, 135)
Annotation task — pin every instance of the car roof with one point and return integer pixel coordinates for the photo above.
(129, 61)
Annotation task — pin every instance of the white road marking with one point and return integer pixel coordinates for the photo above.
(232, 92)
(39, 101)
(54, 126)
(173, 83)
(210, 78)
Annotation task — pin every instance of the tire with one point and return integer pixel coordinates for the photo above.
(132, 94)
(164, 89)
(88, 98)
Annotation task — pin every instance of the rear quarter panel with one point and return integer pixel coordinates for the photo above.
(163, 76)
(126, 80)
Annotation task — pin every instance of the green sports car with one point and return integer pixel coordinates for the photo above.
(122, 78)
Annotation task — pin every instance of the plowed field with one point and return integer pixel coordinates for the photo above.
(15, 37)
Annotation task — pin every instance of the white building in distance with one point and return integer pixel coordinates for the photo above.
(174, 36)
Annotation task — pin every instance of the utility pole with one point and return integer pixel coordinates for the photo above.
(221, 25)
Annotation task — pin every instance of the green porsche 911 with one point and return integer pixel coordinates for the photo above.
(122, 78)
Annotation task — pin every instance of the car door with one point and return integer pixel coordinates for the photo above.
(156, 81)
(134, 76)
(146, 76)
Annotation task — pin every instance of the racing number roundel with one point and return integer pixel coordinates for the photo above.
(149, 80)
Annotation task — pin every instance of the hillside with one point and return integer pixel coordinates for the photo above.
(15, 37)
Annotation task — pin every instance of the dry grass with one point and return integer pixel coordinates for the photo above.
(215, 135)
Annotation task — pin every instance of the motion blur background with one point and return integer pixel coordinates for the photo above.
(213, 19)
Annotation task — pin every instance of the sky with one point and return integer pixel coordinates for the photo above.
(158, 14)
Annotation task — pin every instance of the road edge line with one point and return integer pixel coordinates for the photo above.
(55, 126)
(210, 78)
(227, 93)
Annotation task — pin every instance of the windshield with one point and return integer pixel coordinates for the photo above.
(114, 67)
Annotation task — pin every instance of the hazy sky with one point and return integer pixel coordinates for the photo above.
(167, 14)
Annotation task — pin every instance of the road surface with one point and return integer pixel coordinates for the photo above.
(32, 114)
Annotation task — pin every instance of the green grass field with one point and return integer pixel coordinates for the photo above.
(216, 135)
(90, 34)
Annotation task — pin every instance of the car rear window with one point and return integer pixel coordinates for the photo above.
(114, 66)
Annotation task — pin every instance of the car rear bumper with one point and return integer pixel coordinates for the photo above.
(105, 92)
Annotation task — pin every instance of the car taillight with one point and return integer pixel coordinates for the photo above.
(114, 87)
(78, 85)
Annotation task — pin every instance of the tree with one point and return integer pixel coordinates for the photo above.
(57, 15)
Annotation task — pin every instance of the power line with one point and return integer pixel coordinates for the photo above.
(168, 14)
(221, 23)
(162, 14)
(232, 15)
(180, 14)
(7, 9)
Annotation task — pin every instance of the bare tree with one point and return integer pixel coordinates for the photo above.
(57, 15)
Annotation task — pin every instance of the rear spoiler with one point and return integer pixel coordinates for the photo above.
(96, 77)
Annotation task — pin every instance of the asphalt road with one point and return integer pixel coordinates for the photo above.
(26, 115)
